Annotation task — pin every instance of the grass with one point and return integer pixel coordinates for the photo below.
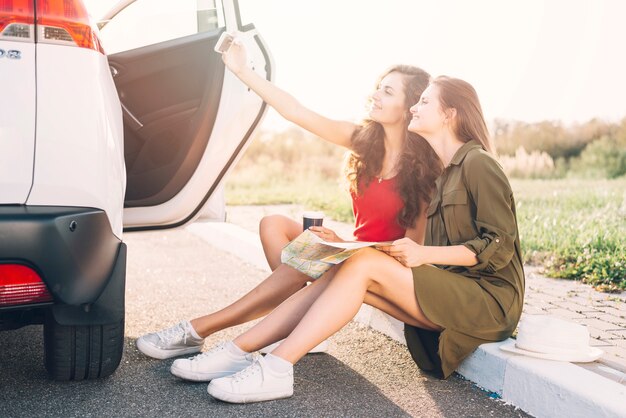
(301, 170)
(576, 229)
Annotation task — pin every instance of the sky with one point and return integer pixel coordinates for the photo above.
(529, 60)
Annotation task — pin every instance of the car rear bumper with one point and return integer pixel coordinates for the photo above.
(74, 251)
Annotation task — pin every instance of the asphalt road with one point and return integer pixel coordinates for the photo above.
(174, 275)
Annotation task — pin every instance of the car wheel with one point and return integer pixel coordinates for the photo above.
(82, 352)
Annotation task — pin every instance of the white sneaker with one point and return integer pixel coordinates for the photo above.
(170, 342)
(217, 362)
(256, 383)
(320, 348)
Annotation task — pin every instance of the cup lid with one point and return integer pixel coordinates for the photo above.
(313, 214)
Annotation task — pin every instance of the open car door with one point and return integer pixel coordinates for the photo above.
(186, 118)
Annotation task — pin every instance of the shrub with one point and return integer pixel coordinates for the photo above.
(537, 164)
(552, 137)
(603, 158)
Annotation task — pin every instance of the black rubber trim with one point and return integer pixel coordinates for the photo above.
(18, 316)
(238, 14)
(227, 166)
(8, 308)
(72, 249)
(108, 308)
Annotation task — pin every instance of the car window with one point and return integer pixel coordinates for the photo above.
(147, 22)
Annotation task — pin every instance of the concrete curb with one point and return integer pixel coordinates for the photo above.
(539, 387)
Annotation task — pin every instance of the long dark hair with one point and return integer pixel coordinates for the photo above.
(419, 166)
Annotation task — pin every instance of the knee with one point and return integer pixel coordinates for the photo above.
(362, 261)
(272, 224)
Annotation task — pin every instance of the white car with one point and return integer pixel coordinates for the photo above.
(94, 144)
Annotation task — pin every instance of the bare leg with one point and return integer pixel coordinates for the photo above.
(284, 319)
(368, 270)
(282, 283)
(278, 324)
(276, 231)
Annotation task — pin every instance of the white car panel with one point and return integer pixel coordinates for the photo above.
(215, 208)
(230, 15)
(17, 121)
(90, 171)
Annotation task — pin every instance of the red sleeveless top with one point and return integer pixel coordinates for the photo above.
(376, 212)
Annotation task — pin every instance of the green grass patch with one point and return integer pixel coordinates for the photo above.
(576, 229)
(314, 194)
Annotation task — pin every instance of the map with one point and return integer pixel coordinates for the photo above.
(313, 256)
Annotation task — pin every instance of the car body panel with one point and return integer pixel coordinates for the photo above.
(17, 121)
(79, 159)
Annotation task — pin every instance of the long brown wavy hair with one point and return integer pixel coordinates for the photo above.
(470, 122)
(419, 166)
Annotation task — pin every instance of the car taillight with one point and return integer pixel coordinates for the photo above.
(21, 285)
(17, 20)
(64, 22)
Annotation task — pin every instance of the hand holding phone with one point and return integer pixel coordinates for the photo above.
(224, 42)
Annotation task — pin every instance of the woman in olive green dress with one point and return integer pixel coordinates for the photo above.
(462, 288)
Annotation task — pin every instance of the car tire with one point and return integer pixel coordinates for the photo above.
(82, 352)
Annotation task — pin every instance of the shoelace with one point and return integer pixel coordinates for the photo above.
(167, 335)
(208, 353)
(251, 370)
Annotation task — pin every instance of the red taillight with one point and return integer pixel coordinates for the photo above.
(64, 22)
(17, 19)
(21, 285)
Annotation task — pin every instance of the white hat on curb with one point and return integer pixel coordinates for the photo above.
(551, 338)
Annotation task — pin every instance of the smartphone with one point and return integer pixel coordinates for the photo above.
(225, 41)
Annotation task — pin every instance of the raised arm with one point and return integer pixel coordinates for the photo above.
(337, 132)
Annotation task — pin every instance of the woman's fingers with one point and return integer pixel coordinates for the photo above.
(400, 258)
(392, 249)
(324, 233)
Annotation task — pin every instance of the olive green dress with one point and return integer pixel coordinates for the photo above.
(473, 206)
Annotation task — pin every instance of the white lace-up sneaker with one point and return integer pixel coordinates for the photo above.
(256, 383)
(217, 362)
(170, 342)
(320, 348)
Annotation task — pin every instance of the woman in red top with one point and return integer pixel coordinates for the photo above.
(390, 175)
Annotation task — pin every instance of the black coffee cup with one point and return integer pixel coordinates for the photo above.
(311, 218)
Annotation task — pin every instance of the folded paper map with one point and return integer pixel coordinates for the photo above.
(312, 255)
